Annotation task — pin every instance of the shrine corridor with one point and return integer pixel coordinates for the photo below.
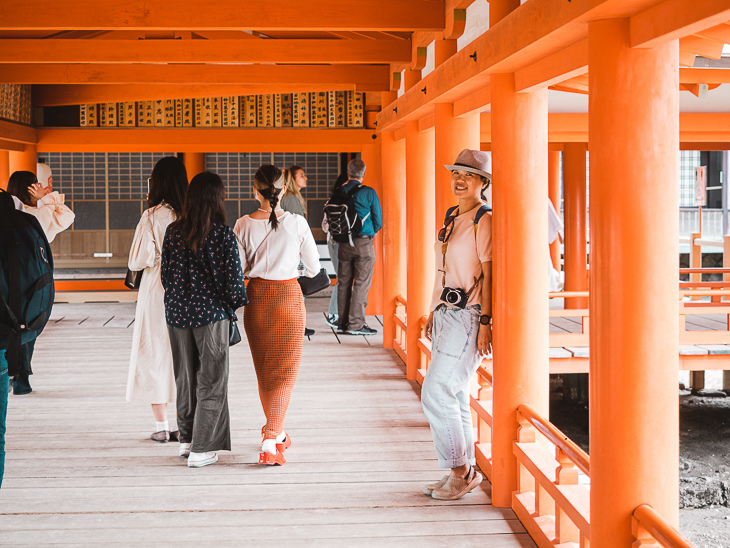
(80, 469)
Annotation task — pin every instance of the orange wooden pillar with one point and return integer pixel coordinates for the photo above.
(420, 230)
(394, 229)
(574, 191)
(194, 163)
(371, 155)
(451, 136)
(4, 168)
(554, 195)
(25, 160)
(520, 263)
(634, 142)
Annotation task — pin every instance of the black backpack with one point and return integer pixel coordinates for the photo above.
(343, 220)
(26, 280)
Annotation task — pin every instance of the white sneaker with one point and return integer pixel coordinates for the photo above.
(184, 450)
(197, 460)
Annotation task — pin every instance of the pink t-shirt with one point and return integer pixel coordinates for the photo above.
(464, 257)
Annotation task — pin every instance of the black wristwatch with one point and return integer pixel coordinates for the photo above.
(485, 319)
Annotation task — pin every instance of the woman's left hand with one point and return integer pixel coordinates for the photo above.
(484, 341)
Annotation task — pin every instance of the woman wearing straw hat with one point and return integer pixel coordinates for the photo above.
(459, 324)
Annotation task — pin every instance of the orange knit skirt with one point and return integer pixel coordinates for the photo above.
(274, 321)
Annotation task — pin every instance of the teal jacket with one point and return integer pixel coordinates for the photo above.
(367, 206)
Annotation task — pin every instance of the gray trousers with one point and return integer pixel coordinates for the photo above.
(200, 361)
(354, 276)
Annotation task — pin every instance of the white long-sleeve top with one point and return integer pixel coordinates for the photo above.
(52, 214)
(279, 256)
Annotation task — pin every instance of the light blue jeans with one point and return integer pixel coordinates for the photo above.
(445, 392)
(332, 246)
(4, 380)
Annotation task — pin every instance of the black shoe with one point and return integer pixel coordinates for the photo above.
(308, 332)
(342, 330)
(364, 330)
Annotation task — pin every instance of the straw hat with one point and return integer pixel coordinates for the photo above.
(473, 161)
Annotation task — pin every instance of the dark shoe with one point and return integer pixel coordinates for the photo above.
(21, 384)
(163, 436)
(364, 330)
(174, 435)
(341, 330)
(308, 332)
(331, 320)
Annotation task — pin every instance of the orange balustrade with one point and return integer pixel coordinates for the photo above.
(648, 527)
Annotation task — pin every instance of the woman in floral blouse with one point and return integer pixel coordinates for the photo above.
(203, 280)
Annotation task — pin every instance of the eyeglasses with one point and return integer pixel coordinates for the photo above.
(445, 232)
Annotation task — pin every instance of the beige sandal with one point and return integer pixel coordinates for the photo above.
(454, 488)
(438, 485)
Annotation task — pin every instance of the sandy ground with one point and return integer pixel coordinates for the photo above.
(704, 459)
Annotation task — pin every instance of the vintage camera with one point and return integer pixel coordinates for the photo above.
(455, 297)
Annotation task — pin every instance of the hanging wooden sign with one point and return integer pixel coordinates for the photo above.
(159, 113)
(355, 109)
(265, 115)
(230, 111)
(88, 115)
(216, 111)
(340, 108)
(178, 112)
(203, 112)
(248, 111)
(127, 114)
(300, 109)
(277, 110)
(187, 113)
(169, 113)
(318, 117)
(286, 110)
(331, 108)
(147, 113)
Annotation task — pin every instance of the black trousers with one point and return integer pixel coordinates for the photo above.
(200, 362)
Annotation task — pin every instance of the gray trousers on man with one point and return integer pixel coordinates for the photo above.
(355, 264)
(200, 361)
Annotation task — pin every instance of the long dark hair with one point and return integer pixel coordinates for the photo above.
(19, 183)
(265, 181)
(204, 205)
(169, 183)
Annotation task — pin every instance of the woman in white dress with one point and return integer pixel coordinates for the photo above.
(151, 377)
(47, 206)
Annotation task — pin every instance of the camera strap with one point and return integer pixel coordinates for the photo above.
(445, 236)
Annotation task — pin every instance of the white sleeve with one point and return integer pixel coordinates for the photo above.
(142, 254)
(308, 253)
(53, 215)
(238, 231)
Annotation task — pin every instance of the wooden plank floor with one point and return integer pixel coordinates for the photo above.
(81, 471)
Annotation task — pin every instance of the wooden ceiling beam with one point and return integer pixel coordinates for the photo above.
(59, 95)
(17, 133)
(205, 51)
(553, 69)
(376, 75)
(674, 19)
(314, 15)
(704, 76)
(203, 140)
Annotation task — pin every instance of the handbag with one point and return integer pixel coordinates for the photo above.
(133, 278)
(234, 335)
(310, 286)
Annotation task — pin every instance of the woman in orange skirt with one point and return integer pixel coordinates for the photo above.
(273, 243)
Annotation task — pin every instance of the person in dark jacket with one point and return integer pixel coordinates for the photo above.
(203, 281)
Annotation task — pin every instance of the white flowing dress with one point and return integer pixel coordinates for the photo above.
(151, 378)
(53, 215)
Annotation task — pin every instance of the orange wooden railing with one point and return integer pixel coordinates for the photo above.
(648, 528)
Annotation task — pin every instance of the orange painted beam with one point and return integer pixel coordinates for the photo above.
(324, 75)
(17, 133)
(11, 145)
(696, 129)
(320, 15)
(704, 76)
(204, 51)
(56, 95)
(203, 140)
(90, 285)
(558, 67)
(673, 19)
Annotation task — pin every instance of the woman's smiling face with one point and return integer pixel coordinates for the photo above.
(465, 184)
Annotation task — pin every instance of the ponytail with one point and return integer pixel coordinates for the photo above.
(269, 181)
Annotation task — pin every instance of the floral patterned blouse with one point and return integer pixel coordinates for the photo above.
(205, 289)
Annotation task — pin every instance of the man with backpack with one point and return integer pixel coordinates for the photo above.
(26, 293)
(354, 216)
